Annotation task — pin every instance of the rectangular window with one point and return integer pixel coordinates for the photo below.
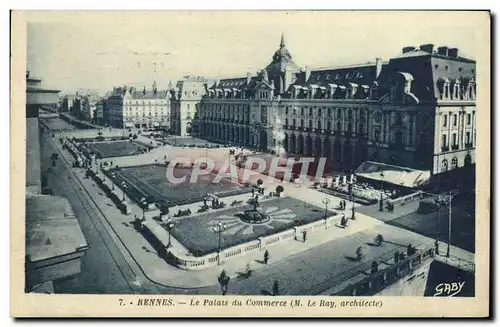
(286, 121)
(319, 112)
(443, 140)
(469, 120)
(454, 138)
(286, 111)
(445, 120)
(455, 120)
(467, 137)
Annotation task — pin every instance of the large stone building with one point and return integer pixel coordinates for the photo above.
(54, 241)
(184, 102)
(416, 110)
(129, 107)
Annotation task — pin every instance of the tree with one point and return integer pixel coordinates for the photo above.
(266, 257)
(223, 281)
(279, 189)
(359, 253)
(163, 211)
(379, 239)
(396, 257)
(248, 270)
(276, 288)
(374, 267)
(410, 250)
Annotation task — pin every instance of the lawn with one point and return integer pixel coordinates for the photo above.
(196, 233)
(109, 149)
(151, 180)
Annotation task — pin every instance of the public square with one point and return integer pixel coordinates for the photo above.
(110, 149)
(196, 233)
(151, 181)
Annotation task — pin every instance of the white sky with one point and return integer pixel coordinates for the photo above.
(96, 50)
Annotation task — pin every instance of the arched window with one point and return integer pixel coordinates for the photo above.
(454, 163)
(444, 165)
(467, 160)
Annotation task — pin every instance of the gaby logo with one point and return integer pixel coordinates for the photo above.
(449, 289)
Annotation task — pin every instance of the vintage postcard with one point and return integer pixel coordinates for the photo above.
(250, 163)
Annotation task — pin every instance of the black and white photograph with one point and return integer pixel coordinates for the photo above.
(272, 160)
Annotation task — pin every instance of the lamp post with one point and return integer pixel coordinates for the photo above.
(446, 201)
(326, 200)
(144, 204)
(450, 198)
(436, 243)
(124, 186)
(219, 228)
(169, 225)
(351, 196)
(381, 205)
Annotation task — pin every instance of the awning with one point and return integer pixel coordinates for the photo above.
(396, 175)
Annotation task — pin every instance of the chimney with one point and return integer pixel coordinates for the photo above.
(249, 77)
(307, 73)
(443, 50)
(427, 47)
(378, 65)
(408, 49)
(453, 52)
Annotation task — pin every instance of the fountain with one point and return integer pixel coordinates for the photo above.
(254, 215)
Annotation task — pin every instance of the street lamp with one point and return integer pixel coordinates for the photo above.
(144, 205)
(124, 186)
(436, 243)
(446, 201)
(219, 228)
(381, 204)
(169, 224)
(326, 200)
(351, 197)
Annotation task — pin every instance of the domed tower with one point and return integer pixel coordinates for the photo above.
(281, 70)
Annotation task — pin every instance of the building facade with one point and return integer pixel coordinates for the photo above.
(415, 110)
(131, 108)
(185, 98)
